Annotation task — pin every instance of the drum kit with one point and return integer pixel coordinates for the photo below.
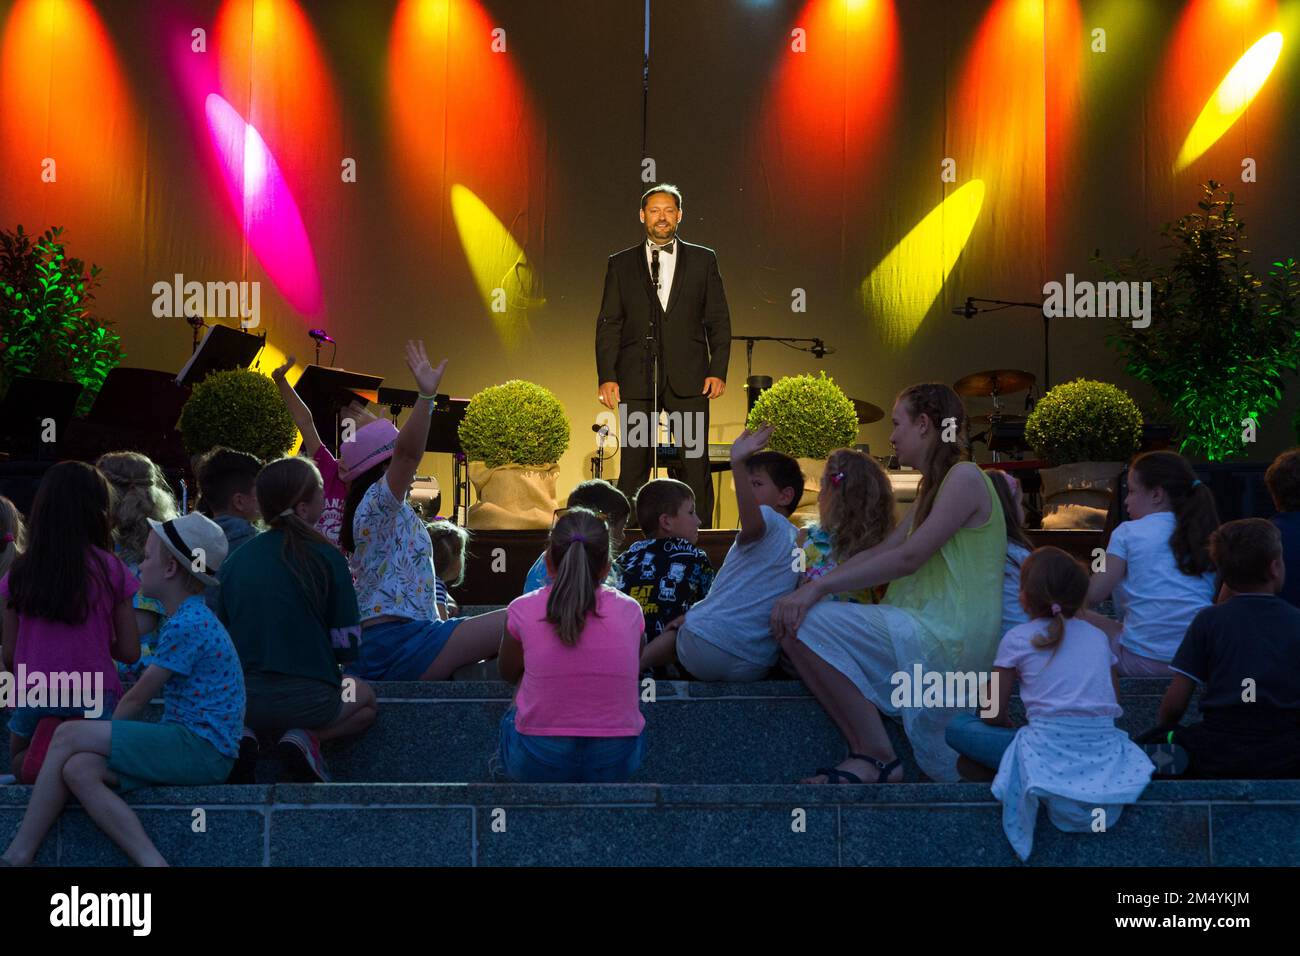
(1004, 432)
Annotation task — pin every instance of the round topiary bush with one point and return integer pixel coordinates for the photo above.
(811, 413)
(1082, 421)
(240, 409)
(515, 423)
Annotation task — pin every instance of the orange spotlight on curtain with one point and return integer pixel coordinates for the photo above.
(68, 130)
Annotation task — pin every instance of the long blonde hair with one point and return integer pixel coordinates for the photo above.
(860, 509)
(938, 403)
(579, 552)
(140, 492)
(13, 534)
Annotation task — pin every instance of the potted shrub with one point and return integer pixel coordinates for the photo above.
(813, 417)
(240, 409)
(47, 329)
(1221, 338)
(1087, 431)
(513, 435)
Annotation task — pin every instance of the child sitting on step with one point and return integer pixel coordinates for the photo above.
(606, 500)
(855, 508)
(1157, 564)
(1018, 546)
(665, 572)
(573, 647)
(141, 492)
(1070, 755)
(728, 635)
(449, 542)
(67, 610)
(1283, 482)
(196, 671)
(1245, 654)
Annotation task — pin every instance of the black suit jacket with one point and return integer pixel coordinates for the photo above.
(695, 331)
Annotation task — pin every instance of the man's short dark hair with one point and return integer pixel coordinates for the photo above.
(782, 470)
(663, 496)
(224, 473)
(600, 496)
(1242, 551)
(1283, 480)
(668, 188)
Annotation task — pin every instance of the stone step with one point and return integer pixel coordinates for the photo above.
(771, 732)
(1175, 824)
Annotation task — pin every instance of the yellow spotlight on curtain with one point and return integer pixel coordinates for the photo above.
(1230, 100)
(501, 271)
(900, 291)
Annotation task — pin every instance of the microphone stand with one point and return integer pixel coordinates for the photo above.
(652, 364)
(1047, 327)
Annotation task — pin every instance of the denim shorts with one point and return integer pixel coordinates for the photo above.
(526, 758)
(981, 742)
(23, 720)
(401, 650)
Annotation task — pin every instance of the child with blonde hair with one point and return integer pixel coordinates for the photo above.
(855, 510)
(573, 647)
(13, 534)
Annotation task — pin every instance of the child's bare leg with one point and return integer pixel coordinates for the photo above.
(51, 793)
(475, 639)
(354, 718)
(661, 651)
(87, 775)
(17, 752)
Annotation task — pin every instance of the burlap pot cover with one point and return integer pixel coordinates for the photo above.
(1077, 496)
(512, 497)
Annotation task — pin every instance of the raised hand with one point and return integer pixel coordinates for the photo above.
(750, 442)
(426, 376)
(279, 374)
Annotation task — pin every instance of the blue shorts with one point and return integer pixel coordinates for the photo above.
(144, 754)
(401, 650)
(526, 758)
(23, 720)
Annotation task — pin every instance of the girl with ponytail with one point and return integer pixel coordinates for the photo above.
(287, 599)
(1157, 564)
(574, 649)
(1071, 755)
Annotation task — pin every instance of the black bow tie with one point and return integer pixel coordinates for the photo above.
(666, 249)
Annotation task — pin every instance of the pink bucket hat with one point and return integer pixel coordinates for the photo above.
(370, 446)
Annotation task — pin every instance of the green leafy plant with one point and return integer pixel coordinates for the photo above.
(47, 329)
(240, 409)
(1084, 421)
(811, 413)
(515, 423)
(1221, 339)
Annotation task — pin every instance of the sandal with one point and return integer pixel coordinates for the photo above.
(885, 768)
(835, 775)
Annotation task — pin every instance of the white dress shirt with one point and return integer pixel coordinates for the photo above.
(667, 266)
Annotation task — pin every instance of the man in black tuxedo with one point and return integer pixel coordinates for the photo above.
(689, 309)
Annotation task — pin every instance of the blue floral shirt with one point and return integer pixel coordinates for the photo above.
(393, 560)
(206, 693)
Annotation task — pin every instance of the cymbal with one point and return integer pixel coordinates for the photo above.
(867, 413)
(1002, 381)
(995, 418)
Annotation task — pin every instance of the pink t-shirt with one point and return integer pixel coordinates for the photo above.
(336, 492)
(1073, 682)
(50, 647)
(589, 689)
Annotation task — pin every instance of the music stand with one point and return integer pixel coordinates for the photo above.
(326, 391)
(222, 348)
(26, 407)
(145, 399)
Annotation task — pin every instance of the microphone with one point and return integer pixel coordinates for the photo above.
(968, 310)
(820, 349)
(601, 430)
(320, 335)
